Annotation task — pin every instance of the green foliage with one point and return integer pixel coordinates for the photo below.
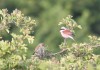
(13, 52)
(79, 56)
(49, 12)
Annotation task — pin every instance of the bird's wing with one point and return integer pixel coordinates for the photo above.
(68, 32)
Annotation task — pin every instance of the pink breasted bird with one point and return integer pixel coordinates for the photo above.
(40, 50)
(66, 33)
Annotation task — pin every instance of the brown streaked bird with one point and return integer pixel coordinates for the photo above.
(40, 50)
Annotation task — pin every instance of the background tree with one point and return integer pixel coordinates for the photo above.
(49, 12)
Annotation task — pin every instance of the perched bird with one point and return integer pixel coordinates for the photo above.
(40, 50)
(66, 33)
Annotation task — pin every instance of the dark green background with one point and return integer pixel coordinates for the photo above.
(48, 13)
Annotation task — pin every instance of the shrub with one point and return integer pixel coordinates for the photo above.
(13, 52)
(78, 56)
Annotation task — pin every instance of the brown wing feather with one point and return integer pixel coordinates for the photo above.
(68, 32)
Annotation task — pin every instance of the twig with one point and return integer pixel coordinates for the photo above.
(53, 54)
(96, 45)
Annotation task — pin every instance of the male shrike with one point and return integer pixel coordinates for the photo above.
(66, 33)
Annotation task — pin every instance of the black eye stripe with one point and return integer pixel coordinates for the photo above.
(61, 29)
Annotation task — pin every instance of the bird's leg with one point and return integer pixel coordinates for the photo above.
(65, 42)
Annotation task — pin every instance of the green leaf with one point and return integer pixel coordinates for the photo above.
(79, 26)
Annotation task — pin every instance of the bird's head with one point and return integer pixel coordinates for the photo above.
(42, 44)
(63, 28)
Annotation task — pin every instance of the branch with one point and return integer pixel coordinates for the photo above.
(60, 52)
(96, 45)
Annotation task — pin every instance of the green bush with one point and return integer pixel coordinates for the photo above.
(78, 56)
(13, 52)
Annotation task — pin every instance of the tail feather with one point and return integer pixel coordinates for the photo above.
(71, 38)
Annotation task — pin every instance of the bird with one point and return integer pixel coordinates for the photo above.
(40, 50)
(66, 33)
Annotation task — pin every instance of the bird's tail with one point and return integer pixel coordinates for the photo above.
(72, 38)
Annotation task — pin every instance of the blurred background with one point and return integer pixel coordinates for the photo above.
(48, 13)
